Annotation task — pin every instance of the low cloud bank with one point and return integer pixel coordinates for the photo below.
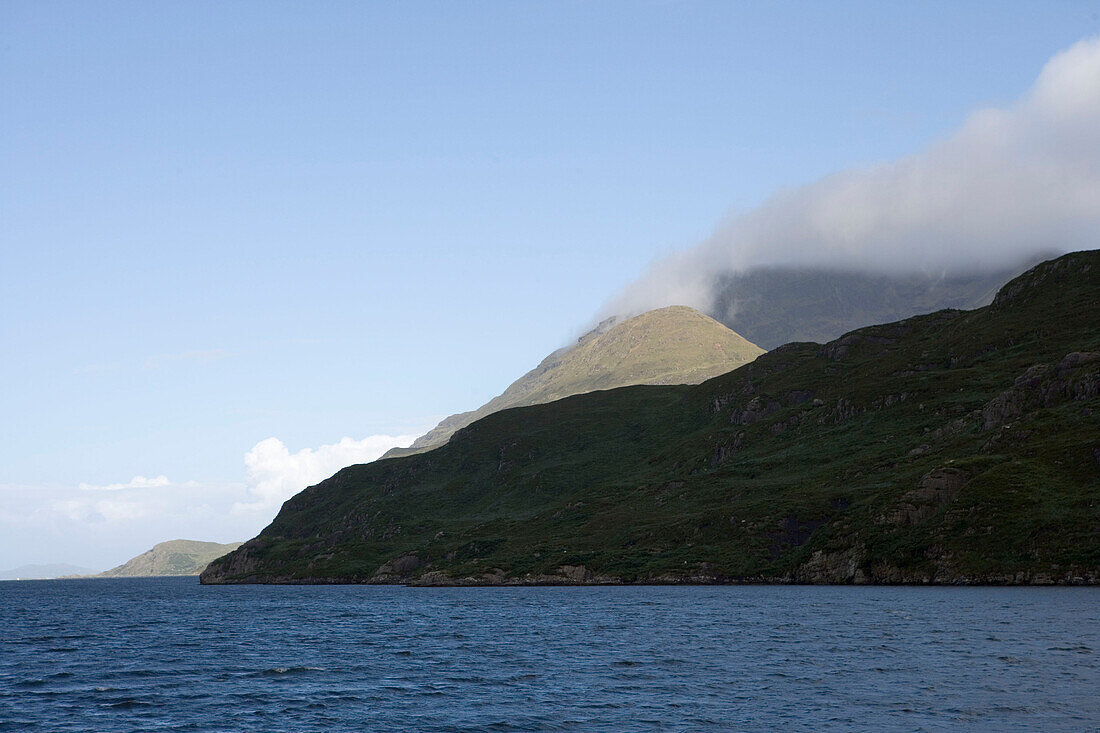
(102, 525)
(1008, 184)
(137, 482)
(275, 474)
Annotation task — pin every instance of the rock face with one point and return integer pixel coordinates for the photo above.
(1075, 377)
(953, 448)
(674, 345)
(175, 557)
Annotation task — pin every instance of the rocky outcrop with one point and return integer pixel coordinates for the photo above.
(936, 488)
(242, 563)
(843, 567)
(400, 568)
(755, 409)
(1075, 377)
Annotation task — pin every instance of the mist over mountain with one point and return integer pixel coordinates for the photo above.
(772, 306)
(1010, 183)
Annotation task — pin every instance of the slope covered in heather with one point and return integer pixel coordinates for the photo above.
(953, 447)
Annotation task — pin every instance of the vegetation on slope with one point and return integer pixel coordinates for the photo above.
(175, 557)
(674, 345)
(952, 447)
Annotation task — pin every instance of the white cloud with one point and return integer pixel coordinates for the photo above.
(275, 474)
(128, 501)
(102, 525)
(137, 482)
(1009, 183)
(103, 510)
(101, 529)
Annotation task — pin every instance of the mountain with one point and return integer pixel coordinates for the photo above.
(778, 305)
(175, 557)
(767, 306)
(42, 572)
(674, 345)
(955, 447)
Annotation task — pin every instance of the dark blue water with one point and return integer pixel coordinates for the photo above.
(168, 654)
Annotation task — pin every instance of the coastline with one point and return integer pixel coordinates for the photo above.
(438, 580)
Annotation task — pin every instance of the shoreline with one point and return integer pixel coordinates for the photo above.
(1089, 581)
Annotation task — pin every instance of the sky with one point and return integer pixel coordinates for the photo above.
(244, 244)
(1011, 185)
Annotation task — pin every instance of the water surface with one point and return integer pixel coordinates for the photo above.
(169, 654)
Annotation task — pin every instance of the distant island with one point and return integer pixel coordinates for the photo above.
(954, 447)
(47, 571)
(175, 557)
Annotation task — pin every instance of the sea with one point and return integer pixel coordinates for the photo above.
(168, 654)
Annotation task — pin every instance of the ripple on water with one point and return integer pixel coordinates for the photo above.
(129, 703)
(170, 654)
(285, 671)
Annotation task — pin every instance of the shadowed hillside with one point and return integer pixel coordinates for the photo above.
(956, 447)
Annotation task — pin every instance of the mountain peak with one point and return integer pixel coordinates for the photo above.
(174, 557)
(671, 345)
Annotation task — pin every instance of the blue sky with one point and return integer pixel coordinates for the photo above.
(223, 223)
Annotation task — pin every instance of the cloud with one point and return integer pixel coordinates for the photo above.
(102, 525)
(100, 529)
(275, 474)
(137, 482)
(128, 501)
(104, 510)
(1009, 183)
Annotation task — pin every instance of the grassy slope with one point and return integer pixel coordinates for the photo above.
(898, 453)
(674, 345)
(175, 557)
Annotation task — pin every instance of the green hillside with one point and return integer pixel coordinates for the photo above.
(957, 447)
(674, 345)
(175, 557)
